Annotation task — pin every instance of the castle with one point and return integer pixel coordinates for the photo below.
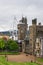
(32, 42)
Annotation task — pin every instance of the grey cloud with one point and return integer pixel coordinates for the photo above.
(21, 2)
(10, 8)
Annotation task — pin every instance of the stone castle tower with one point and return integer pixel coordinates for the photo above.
(22, 28)
(32, 36)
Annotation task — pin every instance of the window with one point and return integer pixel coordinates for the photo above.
(38, 44)
(38, 51)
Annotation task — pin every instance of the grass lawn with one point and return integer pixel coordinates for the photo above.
(40, 59)
(4, 62)
(9, 53)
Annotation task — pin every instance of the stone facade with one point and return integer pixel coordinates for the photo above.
(38, 47)
(33, 42)
(36, 31)
(22, 28)
(32, 36)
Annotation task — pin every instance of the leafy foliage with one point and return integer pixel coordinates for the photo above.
(12, 45)
(2, 43)
(8, 45)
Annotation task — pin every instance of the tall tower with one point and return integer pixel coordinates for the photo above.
(22, 28)
(32, 35)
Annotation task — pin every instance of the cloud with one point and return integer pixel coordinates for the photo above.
(16, 8)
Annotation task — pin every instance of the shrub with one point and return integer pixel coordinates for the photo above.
(12, 45)
(2, 44)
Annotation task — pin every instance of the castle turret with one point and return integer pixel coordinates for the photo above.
(22, 28)
(32, 35)
(34, 22)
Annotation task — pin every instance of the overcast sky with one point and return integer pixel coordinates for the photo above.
(18, 8)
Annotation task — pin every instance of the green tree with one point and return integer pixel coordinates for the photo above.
(2, 44)
(12, 45)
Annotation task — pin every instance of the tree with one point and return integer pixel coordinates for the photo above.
(2, 44)
(12, 45)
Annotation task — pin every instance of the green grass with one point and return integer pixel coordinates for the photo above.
(4, 62)
(9, 53)
(40, 59)
(26, 63)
